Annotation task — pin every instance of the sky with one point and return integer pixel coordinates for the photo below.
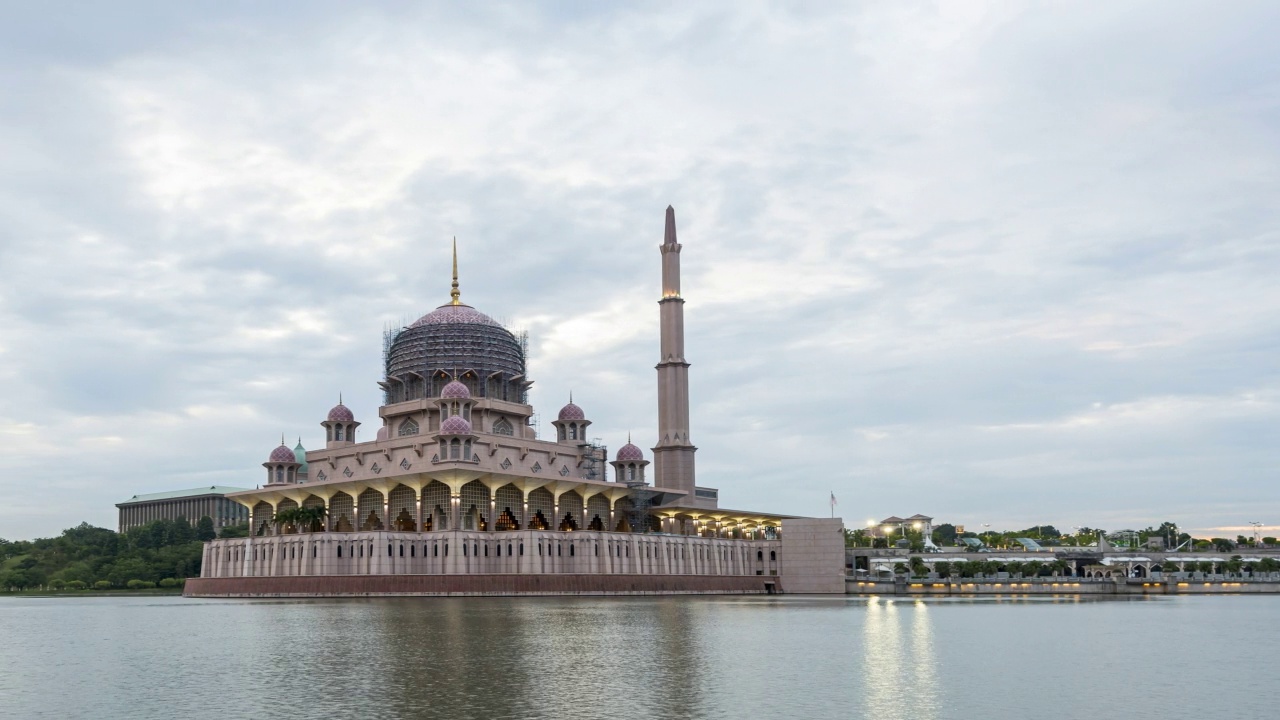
(1007, 263)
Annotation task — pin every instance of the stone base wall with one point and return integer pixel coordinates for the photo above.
(477, 585)
(812, 556)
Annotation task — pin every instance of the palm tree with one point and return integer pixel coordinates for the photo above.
(312, 518)
(287, 517)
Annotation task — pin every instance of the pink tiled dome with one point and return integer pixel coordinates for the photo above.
(571, 412)
(383, 433)
(455, 390)
(630, 453)
(455, 425)
(282, 454)
(447, 314)
(341, 413)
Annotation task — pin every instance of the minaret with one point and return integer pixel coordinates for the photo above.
(673, 455)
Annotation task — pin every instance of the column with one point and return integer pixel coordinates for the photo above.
(493, 511)
(386, 511)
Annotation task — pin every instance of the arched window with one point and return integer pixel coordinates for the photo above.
(760, 555)
(563, 433)
(337, 433)
(455, 448)
(466, 412)
(773, 555)
(521, 548)
(466, 450)
(279, 474)
(502, 427)
(573, 431)
(570, 549)
(631, 473)
(408, 427)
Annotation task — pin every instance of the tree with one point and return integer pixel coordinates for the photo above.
(204, 529)
(944, 534)
(943, 568)
(16, 580)
(234, 531)
(918, 568)
(1222, 545)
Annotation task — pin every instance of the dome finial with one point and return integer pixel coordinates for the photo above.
(455, 293)
(282, 438)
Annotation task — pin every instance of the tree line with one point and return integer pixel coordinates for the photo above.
(161, 553)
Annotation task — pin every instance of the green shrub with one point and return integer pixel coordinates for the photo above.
(57, 584)
(76, 585)
(169, 583)
(102, 585)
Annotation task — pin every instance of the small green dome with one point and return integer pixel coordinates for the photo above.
(301, 453)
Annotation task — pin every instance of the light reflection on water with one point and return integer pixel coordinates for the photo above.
(645, 657)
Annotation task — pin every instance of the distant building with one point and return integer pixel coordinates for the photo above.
(191, 504)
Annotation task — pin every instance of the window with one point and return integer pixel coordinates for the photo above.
(573, 431)
(279, 474)
(412, 550)
(502, 427)
(401, 551)
(389, 553)
(337, 433)
(570, 549)
(521, 548)
(773, 555)
(455, 448)
(631, 473)
(408, 427)
(466, 450)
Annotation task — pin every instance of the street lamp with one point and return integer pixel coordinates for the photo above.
(1257, 533)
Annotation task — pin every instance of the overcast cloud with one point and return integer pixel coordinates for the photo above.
(996, 264)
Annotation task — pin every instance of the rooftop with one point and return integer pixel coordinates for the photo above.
(176, 494)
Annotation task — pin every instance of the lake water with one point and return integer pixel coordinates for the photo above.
(673, 657)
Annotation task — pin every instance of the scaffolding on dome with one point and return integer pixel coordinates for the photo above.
(420, 360)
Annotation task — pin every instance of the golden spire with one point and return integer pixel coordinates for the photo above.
(455, 293)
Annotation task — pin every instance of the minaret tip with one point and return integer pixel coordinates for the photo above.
(669, 238)
(454, 293)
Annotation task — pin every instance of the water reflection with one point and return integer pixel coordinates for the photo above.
(671, 658)
(901, 670)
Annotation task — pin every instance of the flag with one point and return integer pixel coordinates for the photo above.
(833, 500)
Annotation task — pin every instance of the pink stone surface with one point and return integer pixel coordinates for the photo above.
(513, 584)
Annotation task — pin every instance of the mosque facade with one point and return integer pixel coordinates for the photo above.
(457, 495)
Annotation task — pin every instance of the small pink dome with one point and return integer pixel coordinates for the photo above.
(282, 454)
(455, 391)
(383, 433)
(629, 453)
(341, 413)
(455, 425)
(571, 412)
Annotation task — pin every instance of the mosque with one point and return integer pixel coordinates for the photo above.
(456, 494)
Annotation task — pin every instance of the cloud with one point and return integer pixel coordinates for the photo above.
(989, 262)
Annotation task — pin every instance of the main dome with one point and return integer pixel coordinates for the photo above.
(454, 341)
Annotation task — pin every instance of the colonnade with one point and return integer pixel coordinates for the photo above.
(475, 506)
(476, 552)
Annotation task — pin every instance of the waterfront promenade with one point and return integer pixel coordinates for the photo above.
(1061, 586)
